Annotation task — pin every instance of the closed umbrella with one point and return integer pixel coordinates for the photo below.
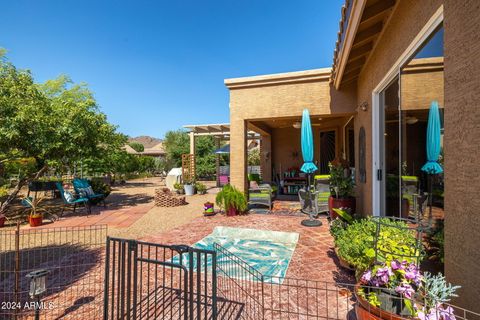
(433, 141)
(307, 144)
(433, 149)
(308, 166)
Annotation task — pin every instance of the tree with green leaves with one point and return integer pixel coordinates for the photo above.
(137, 146)
(176, 143)
(56, 123)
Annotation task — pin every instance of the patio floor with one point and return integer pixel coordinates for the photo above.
(314, 257)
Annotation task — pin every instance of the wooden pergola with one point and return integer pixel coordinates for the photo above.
(220, 131)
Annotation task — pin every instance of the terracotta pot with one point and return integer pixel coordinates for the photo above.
(35, 222)
(365, 311)
(343, 263)
(2, 221)
(232, 212)
(340, 203)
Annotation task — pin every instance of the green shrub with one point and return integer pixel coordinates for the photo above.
(99, 186)
(231, 197)
(356, 243)
(201, 188)
(436, 240)
(336, 227)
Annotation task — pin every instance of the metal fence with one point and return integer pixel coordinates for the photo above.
(74, 258)
(251, 295)
(153, 281)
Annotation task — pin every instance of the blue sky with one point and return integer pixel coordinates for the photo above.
(157, 65)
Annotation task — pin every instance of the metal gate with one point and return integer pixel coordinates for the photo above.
(154, 281)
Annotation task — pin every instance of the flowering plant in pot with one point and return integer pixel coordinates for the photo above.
(189, 187)
(395, 290)
(232, 200)
(341, 188)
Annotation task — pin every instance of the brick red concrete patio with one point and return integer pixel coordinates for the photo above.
(314, 257)
(113, 217)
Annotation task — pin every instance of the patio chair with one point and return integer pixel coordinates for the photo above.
(83, 188)
(223, 180)
(261, 194)
(322, 186)
(68, 199)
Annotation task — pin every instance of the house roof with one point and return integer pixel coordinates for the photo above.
(278, 78)
(361, 25)
(129, 149)
(157, 149)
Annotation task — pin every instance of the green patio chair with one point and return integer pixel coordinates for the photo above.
(263, 193)
(82, 187)
(322, 186)
(70, 201)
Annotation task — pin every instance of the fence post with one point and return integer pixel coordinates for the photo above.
(106, 280)
(17, 265)
(214, 285)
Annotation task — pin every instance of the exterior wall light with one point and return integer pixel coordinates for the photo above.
(297, 125)
(364, 106)
(37, 287)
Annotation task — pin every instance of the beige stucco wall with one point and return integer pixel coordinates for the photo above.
(462, 149)
(407, 20)
(280, 96)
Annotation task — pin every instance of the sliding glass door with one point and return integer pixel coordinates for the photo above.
(405, 189)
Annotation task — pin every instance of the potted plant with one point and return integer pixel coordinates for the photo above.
(201, 188)
(179, 188)
(35, 217)
(208, 209)
(189, 187)
(232, 200)
(341, 188)
(2, 219)
(395, 290)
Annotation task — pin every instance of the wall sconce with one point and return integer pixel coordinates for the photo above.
(364, 106)
(297, 124)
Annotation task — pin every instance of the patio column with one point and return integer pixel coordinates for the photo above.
(238, 153)
(217, 161)
(192, 143)
(266, 157)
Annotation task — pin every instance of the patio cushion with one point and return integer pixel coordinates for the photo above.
(69, 197)
(258, 195)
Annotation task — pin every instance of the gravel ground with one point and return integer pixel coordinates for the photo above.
(158, 219)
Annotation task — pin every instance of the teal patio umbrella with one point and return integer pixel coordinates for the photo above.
(432, 166)
(433, 141)
(309, 168)
(307, 144)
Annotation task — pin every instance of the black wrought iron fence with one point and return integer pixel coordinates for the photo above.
(251, 295)
(74, 258)
(154, 281)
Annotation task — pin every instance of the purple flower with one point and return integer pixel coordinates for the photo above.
(395, 264)
(384, 274)
(445, 313)
(367, 276)
(437, 313)
(406, 290)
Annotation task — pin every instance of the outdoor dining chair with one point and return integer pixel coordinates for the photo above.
(69, 200)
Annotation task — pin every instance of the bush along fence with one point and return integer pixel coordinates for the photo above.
(73, 259)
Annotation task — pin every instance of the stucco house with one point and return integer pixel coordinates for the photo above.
(392, 60)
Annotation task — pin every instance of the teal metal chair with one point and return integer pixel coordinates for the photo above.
(82, 200)
(80, 184)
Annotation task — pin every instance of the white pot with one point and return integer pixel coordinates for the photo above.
(189, 189)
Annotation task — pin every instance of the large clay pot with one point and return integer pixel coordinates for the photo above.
(365, 311)
(2, 221)
(340, 203)
(35, 221)
(232, 212)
